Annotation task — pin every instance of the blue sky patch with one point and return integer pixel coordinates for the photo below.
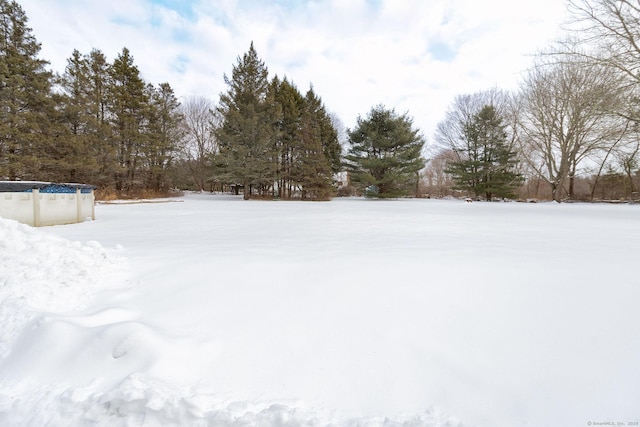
(180, 64)
(442, 52)
(376, 4)
(183, 7)
(125, 21)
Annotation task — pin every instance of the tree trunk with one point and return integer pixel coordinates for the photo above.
(247, 191)
(555, 194)
(571, 182)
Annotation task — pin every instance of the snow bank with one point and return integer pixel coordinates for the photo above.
(353, 312)
(138, 401)
(41, 272)
(90, 362)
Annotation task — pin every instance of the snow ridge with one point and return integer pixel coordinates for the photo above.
(48, 287)
(138, 401)
(40, 272)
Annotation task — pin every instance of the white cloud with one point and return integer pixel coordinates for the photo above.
(412, 55)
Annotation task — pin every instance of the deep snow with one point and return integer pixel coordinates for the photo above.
(216, 311)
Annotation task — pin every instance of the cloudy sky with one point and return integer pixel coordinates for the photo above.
(411, 55)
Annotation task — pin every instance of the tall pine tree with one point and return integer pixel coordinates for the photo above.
(102, 124)
(97, 92)
(26, 107)
(129, 105)
(163, 131)
(312, 168)
(327, 132)
(246, 137)
(291, 104)
(307, 144)
(77, 145)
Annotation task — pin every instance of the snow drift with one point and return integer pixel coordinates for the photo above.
(219, 312)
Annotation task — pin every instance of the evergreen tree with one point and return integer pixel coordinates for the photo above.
(102, 124)
(305, 144)
(486, 165)
(98, 126)
(312, 168)
(291, 104)
(128, 104)
(163, 135)
(76, 159)
(246, 137)
(98, 123)
(84, 106)
(385, 153)
(120, 132)
(328, 135)
(25, 97)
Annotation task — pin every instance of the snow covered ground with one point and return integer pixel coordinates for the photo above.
(216, 311)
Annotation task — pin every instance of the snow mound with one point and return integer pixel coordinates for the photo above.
(40, 272)
(88, 362)
(138, 401)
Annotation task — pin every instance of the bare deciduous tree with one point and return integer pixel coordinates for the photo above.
(436, 181)
(566, 117)
(608, 34)
(611, 30)
(451, 132)
(479, 132)
(627, 159)
(200, 143)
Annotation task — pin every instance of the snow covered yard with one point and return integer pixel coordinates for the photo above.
(217, 311)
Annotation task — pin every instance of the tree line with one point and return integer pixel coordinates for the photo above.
(272, 140)
(570, 131)
(99, 122)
